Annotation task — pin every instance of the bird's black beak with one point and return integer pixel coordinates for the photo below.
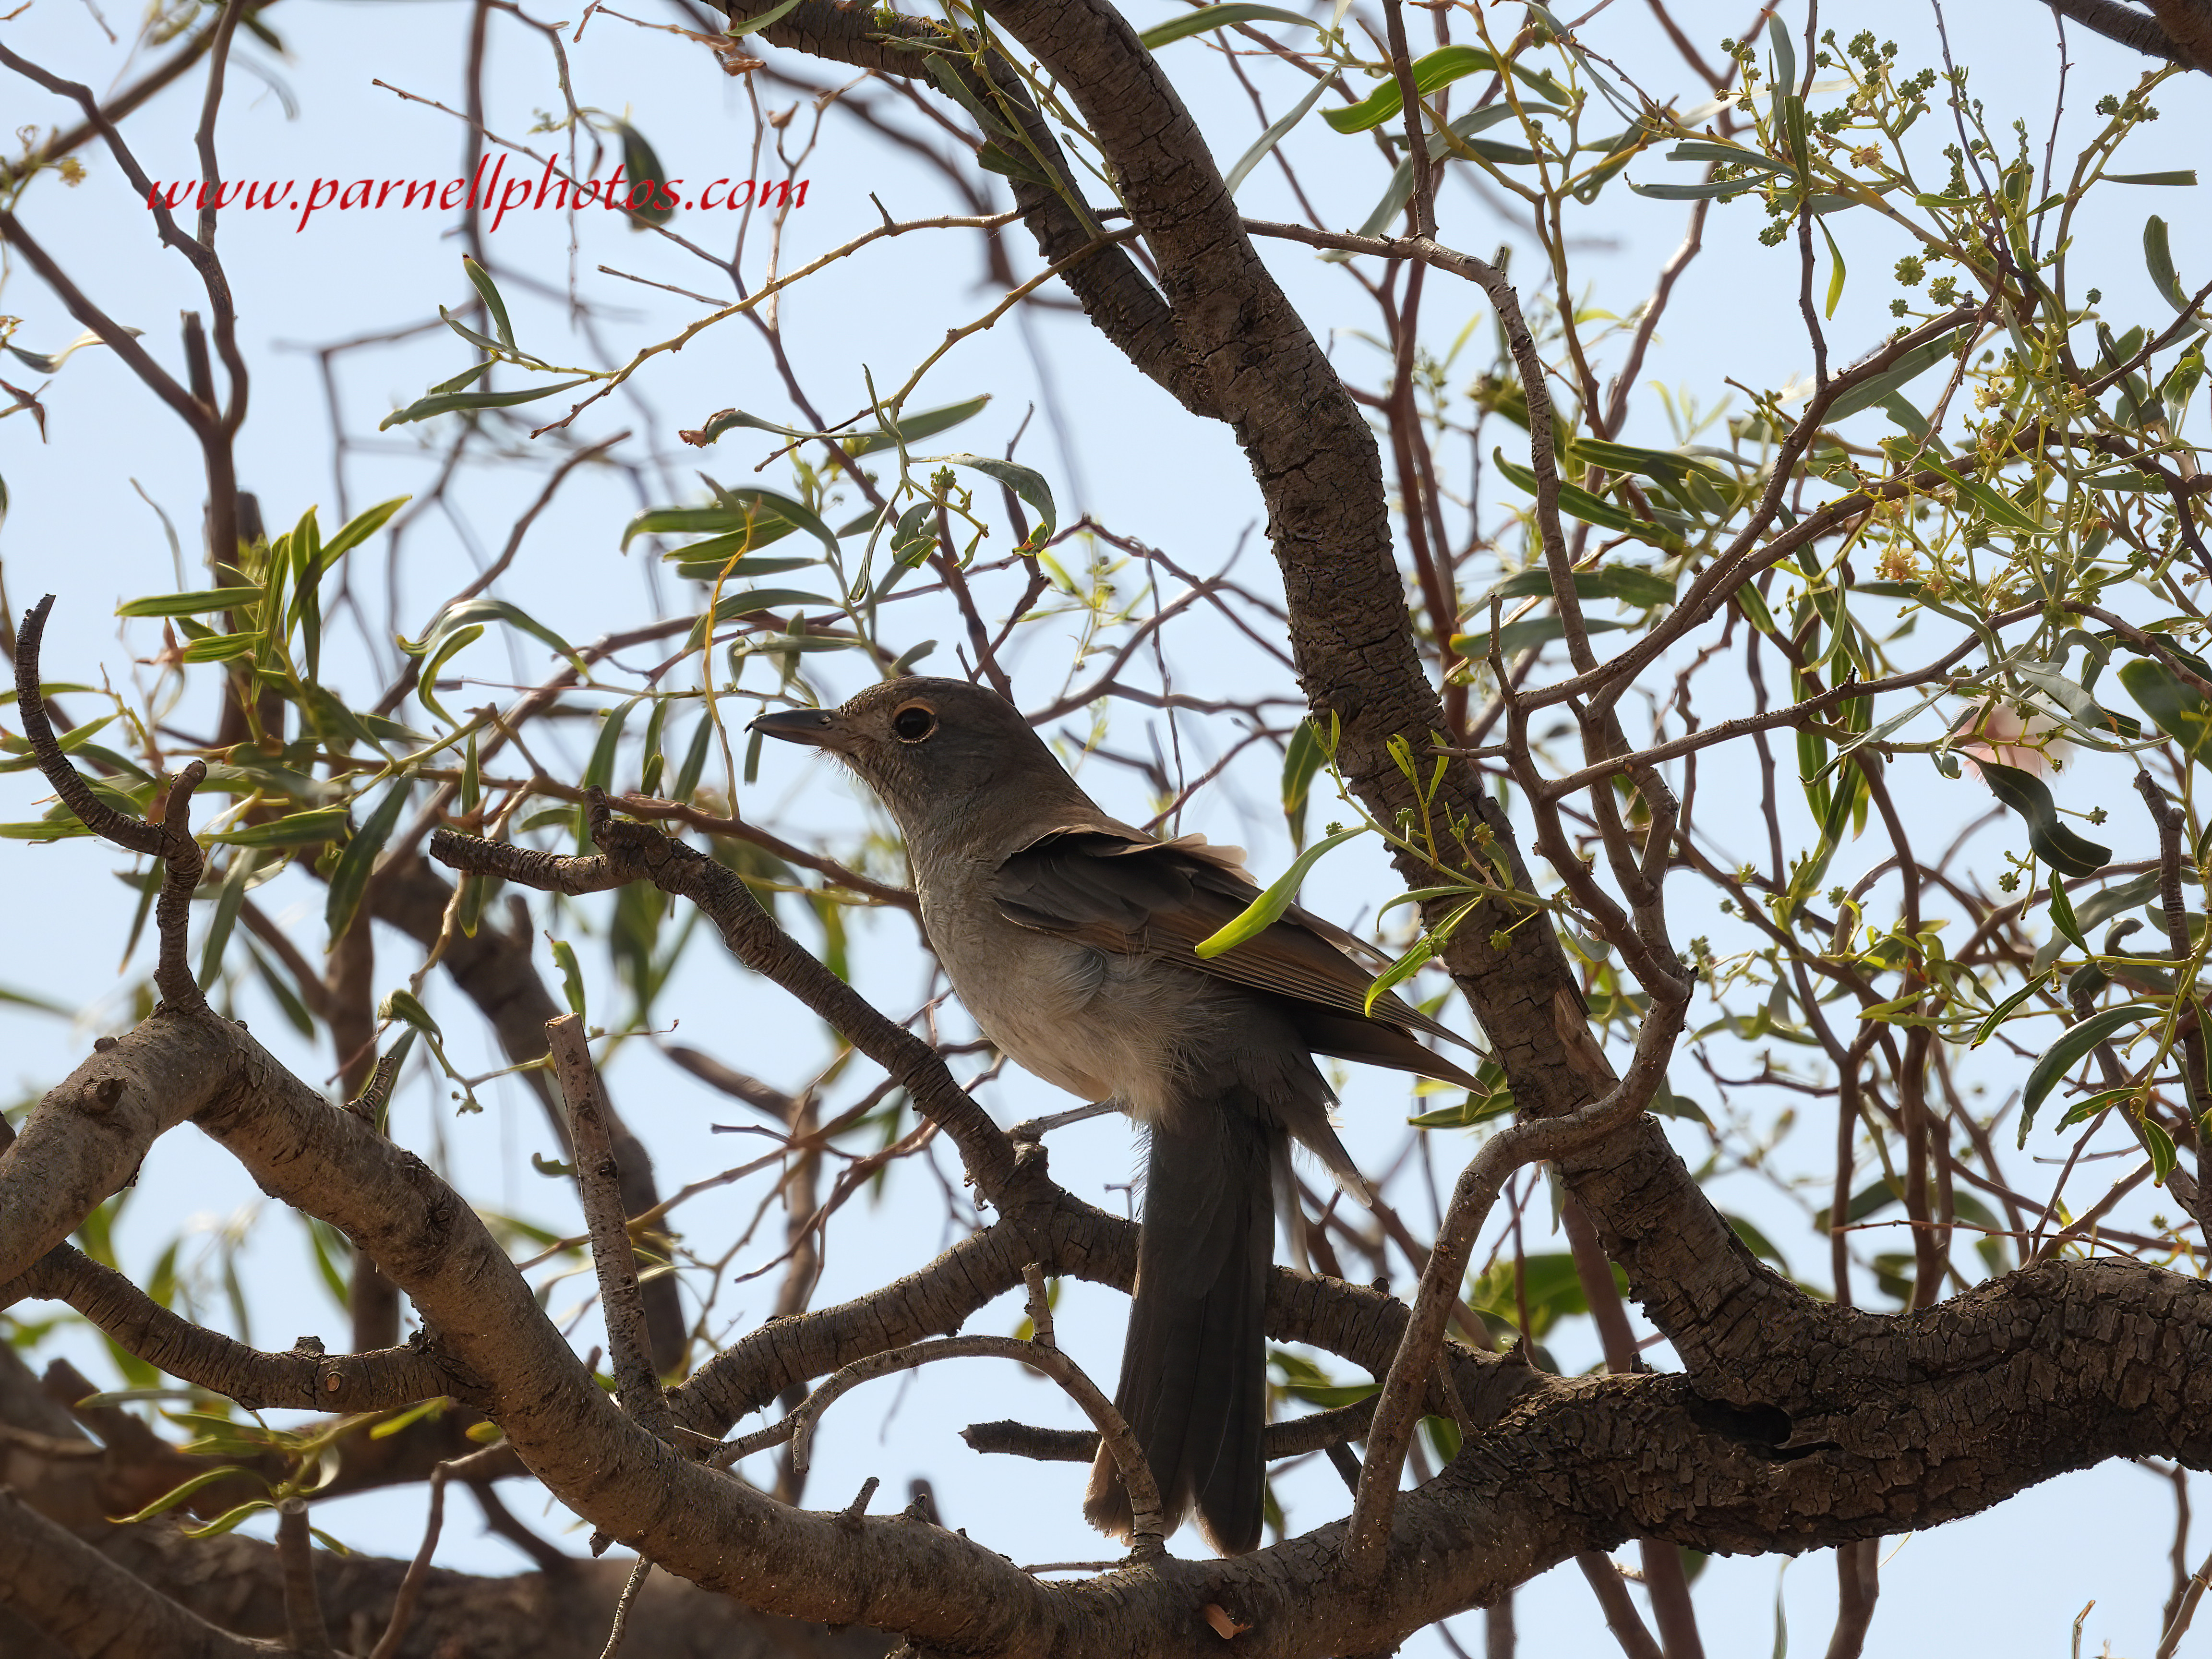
(817, 729)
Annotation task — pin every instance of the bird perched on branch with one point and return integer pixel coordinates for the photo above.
(1069, 936)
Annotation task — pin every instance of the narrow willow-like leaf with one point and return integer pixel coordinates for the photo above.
(1993, 504)
(1302, 759)
(571, 975)
(2073, 1045)
(2175, 707)
(1641, 588)
(295, 829)
(2155, 1140)
(230, 898)
(2062, 914)
(1523, 636)
(1836, 275)
(695, 759)
(1274, 135)
(1432, 71)
(1579, 503)
(448, 403)
(2088, 1107)
(401, 1006)
(754, 25)
(1894, 379)
(350, 881)
(359, 528)
(488, 291)
(196, 603)
(1208, 18)
(1265, 911)
(1716, 189)
(177, 1494)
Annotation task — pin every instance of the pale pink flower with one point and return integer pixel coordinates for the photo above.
(1999, 734)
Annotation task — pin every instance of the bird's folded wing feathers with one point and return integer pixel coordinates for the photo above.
(1115, 890)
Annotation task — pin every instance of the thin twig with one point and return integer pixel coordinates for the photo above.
(1406, 1387)
(623, 1606)
(418, 1570)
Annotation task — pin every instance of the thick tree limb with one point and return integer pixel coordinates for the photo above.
(89, 1604)
(2154, 36)
(1907, 1422)
(303, 1379)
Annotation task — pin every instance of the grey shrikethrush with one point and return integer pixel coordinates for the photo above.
(1068, 935)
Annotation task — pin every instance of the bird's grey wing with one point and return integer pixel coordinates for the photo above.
(1151, 898)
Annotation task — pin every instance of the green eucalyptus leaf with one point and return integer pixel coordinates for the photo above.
(1025, 482)
(644, 168)
(350, 881)
(488, 291)
(2073, 1045)
(1579, 503)
(2175, 707)
(1304, 756)
(1431, 72)
(1523, 636)
(448, 403)
(754, 25)
(1276, 132)
(2057, 845)
(198, 602)
(1894, 379)
(1265, 911)
(295, 829)
(1208, 18)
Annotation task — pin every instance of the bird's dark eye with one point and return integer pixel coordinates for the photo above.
(914, 722)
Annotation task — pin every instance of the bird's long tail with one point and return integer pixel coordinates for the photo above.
(1193, 1367)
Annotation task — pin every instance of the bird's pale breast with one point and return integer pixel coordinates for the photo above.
(1102, 1026)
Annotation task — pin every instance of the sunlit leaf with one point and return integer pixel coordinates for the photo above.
(196, 603)
(1579, 503)
(1208, 18)
(296, 830)
(1624, 582)
(2074, 1045)
(754, 25)
(2155, 1140)
(1434, 70)
(1265, 911)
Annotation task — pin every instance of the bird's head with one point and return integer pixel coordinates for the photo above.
(934, 751)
